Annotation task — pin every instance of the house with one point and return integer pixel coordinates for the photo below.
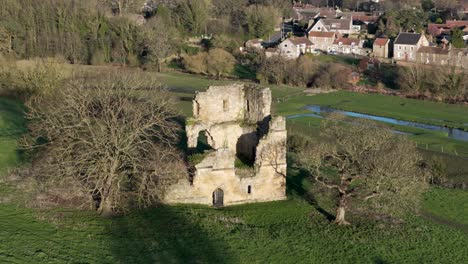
(432, 55)
(368, 63)
(437, 30)
(459, 58)
(322, 40)
(349, 15)
(443, 56)
(407, 44)
(348, 46)
(292, 48)
(270, 52)
(381, 47)
(366, 19)
(254, 44)
(305, 12)
(342, 26)
(367, 24)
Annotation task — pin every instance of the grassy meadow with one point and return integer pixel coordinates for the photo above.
(296, 230)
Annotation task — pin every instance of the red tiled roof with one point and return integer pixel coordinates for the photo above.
(346, 41)
(381, 41)
(456, 23)
(321, 34)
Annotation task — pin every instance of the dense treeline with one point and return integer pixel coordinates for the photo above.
(76, 30)
(117, 31)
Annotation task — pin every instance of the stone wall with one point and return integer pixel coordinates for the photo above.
(237, 120)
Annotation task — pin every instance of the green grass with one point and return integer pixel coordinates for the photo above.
(383, 105)
(12, 125)
(292, 231)
(448, 204)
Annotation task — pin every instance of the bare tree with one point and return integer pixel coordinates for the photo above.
(115, 136)
(367, 165)
(120, 6)
(158, 41)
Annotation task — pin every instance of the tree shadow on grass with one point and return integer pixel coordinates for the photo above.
(295, 186)
(164, 235)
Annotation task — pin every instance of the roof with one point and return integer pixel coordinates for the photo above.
(337, 24)
(381, 41)
(301, 40)
(408, 38)
(308, 14)
(457, 23)
(346, 41)
(255, 41)
(369, 19)
(321, 34)
(351, 14)
(433, 50)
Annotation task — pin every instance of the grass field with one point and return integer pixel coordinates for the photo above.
(281, 232)
(12, 125)
(383, 105)
(291, 231)
(291, 100)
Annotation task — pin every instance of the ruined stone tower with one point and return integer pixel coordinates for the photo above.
(239, 128)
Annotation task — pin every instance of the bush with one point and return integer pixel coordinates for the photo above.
(98, 58)
(42, 77)
(216, 62)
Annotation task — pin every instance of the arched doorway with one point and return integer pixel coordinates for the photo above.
(218, 198)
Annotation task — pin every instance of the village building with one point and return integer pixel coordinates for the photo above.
(348, 46)
(459, 58)
(443, 57)
(365, 24)
(433, 56)
(294, 47)
(270, 52)
(305, 12)
(381, 47)
(349, 14)
(440, 31)
(342, 26)
(238, 125)
(407, 44)
(254, 44)
(322, 40)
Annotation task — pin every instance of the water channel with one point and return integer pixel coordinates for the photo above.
(317, 110)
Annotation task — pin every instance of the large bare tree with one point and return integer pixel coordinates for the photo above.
(114, 134)
(366, 165)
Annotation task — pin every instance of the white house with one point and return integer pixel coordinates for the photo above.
(348, 46)
(292, 48)
(322, 40)
(342, 26)
(407, 44)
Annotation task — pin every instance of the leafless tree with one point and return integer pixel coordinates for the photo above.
(367, 165)
(114, 134)
(158, 41)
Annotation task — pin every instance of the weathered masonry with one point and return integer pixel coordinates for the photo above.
(247, 162)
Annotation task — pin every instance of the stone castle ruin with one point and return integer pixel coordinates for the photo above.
(247, 161)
